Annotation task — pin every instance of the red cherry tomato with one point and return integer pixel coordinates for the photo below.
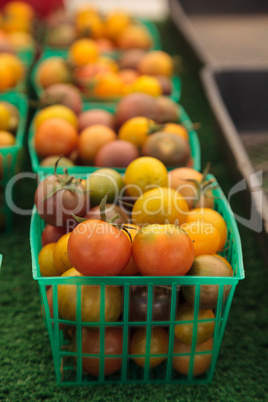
(113, 345)
(163, 250)
(96, 248)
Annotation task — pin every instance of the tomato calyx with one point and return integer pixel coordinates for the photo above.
(104, 218)
(204, 185)
(154, 127)
(65, 182)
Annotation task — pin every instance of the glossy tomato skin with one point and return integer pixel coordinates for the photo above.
(96, 248)
(51, 234)
(163, 250)
(138, 304)
(90, 301)
(57, 209)
(113, 345)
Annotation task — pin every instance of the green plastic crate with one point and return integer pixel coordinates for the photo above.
(11, 157)
(69, 371)
(184, 120)
(148, 24)
(176, 82)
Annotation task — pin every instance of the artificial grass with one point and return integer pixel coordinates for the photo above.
(27, 371)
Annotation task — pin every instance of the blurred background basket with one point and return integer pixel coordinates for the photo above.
(11, 157)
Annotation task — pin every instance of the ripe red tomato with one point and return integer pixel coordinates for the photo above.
(91, 345)
(163, 250)
(96, 248)
(159, 345)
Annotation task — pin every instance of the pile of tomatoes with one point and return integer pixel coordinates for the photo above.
(90, 62)
(169, 230)
(114, 30)
(102, 77)
(98, 137)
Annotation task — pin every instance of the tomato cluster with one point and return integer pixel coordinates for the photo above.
(96, 137)
(101, 243)
(109, 31)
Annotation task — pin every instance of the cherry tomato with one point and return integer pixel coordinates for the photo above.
(202, 362)
(131, 268)
(159, 345)
(49, 295)
(207, 265)
(96, 248)
(205, 237)
(192, 185)
(163, 250)
(113, 345)
(139, 303)
(110, 210)
(56, 201)
(51, 234)
(90, 301)
(184, 331)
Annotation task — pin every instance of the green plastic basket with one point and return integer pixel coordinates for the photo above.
(27, 56)
(176, 82)
(11, 157)
(184, 120)
(68, 364)
(148, 24)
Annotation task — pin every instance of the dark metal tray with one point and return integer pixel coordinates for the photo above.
(232, 30)
(239, 100)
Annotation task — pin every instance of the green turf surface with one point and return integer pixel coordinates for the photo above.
(26, 366)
